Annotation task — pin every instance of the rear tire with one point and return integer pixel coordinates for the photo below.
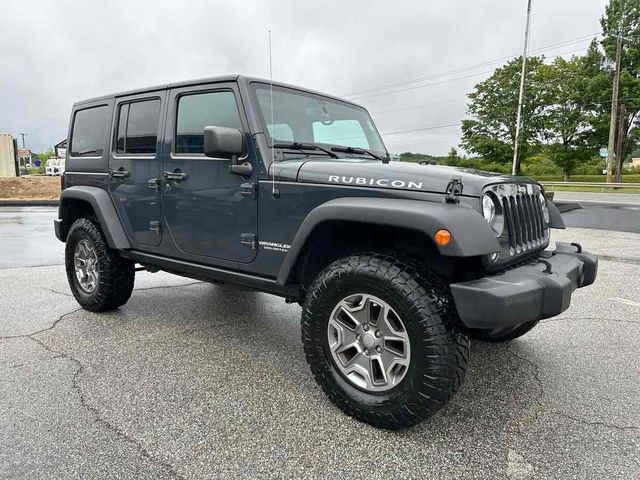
(98, 277)
(502, 335)
(436, 354)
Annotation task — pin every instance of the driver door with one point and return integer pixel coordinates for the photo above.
(206, 212)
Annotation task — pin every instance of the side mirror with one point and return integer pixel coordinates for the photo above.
(223, 142)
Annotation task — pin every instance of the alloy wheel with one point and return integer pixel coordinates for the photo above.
(369, 342)
(85, 260)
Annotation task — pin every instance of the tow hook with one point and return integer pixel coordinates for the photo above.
(547, 268)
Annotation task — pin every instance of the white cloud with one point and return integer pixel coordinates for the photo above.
(57, 52)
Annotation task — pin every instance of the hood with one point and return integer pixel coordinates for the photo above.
(395, 175)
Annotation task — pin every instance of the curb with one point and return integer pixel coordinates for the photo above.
(564, 207)
(29, 203)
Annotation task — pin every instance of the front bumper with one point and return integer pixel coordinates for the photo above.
(540, 289)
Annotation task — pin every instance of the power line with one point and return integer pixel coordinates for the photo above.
(416, 87)
(472, 67)
(434, 127)
(459, 99)
(418, 106)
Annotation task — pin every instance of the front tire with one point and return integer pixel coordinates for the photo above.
(390, 357)
(98, 277)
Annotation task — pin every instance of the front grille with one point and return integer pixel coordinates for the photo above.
(524, 222)
(525, 228)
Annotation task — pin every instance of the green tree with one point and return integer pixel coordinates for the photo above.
(493, 104)
(567, 115)
(43, 161)
(452, 157)
(417, 157)
(622, 17)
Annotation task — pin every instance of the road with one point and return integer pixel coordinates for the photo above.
(27, 238)
(598, 197)
(192, 380)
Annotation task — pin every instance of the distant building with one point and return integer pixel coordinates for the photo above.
(24, 158)
(635, 162)
(61, 149)
(8, 159)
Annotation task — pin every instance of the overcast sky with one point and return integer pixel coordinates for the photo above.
(56, 52)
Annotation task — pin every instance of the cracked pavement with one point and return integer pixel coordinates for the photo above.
(192, 380)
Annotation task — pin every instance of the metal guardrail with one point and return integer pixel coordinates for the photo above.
(591, 184)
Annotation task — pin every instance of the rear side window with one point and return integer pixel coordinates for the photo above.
(196, 111)
(87, 135)
(138, 127)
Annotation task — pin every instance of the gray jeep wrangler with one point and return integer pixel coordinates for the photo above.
(291, 192)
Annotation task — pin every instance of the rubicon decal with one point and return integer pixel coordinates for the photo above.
(274, 246)
(375, 182)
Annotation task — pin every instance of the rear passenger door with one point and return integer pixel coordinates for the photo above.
(134, 166)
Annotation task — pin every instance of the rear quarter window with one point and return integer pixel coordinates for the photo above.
(88, 133)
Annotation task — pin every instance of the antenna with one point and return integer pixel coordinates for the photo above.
(275, 193)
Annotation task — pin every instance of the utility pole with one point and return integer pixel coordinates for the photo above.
(23, 135)
(614, 110)
(621, 126)
(516, 144)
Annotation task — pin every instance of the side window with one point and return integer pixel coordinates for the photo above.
(137, 130)
(87, 135)
(199, 110)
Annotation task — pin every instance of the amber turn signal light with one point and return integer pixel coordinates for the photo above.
(442, 237)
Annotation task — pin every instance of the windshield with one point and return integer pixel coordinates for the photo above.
(307, 118)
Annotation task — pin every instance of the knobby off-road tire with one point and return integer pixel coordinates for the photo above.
(111, 277)
(438, 353)
(503, 335)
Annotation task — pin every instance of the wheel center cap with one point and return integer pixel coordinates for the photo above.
(368, 340)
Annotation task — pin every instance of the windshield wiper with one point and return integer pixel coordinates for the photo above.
(305, 146)
(360, 150)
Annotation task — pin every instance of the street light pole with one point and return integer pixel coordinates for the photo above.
(614, 111)
(23, 135)
(516, 144)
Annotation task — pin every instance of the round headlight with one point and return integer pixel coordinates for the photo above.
(545, 207)
(488, 209)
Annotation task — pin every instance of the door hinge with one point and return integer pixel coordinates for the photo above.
(154, 226)
(248, 189)
(454, 190)
(248, 239)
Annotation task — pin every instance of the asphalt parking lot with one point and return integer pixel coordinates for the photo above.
(192, 380)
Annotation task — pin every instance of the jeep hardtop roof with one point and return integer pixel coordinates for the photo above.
(242, 79)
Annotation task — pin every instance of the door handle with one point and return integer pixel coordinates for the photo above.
(120, 173)
(176, 175)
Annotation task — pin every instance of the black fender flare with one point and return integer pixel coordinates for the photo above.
(102, 205)
(471, 235)
(555, 218)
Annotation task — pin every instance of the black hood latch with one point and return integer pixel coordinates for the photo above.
(454, 190)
